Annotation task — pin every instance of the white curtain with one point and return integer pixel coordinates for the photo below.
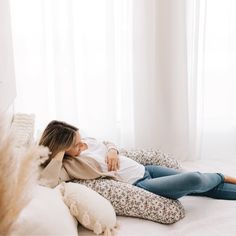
(160, 67)
(73, 61)
(123, 70)
(219, 76)
(118, 69)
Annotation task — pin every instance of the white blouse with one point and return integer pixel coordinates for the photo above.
(129, 170)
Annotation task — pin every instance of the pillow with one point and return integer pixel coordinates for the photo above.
(129, 200)
(23, 128)
(91, 209)
(46, 215)
(151, 157)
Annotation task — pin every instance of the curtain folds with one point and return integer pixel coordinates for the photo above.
(160, 76)
(73, 63)
(117, 69)
(219, 119)
(139, 73)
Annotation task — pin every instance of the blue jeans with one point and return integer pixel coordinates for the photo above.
(171, 183)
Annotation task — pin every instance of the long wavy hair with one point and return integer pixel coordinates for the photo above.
(57, 136)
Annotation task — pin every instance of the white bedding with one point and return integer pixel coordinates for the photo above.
(204, 216)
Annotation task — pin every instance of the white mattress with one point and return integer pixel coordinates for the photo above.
(204, 216)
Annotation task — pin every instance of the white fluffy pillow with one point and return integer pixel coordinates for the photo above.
(46, 215)
(91, 209)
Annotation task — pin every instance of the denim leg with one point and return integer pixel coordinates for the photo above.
(225, 191)
(154, 171)
(174, 184)
(160, 171)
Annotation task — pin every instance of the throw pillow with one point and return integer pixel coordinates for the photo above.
(91, 209)
(46, 215)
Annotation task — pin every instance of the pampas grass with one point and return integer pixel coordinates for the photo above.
(18, 175)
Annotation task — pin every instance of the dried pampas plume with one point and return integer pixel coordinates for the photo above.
(18, 175)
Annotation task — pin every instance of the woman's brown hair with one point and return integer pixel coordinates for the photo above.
(57, 136)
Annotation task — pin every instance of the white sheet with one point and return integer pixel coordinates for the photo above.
(204, 216)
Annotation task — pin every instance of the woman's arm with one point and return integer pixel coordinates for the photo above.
(111, 146)
(112, 158)
(50, 175)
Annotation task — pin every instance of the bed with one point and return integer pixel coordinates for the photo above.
(203, 216)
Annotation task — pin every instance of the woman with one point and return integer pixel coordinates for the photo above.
(74, 158)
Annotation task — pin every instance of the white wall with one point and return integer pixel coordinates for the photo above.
(7, 80)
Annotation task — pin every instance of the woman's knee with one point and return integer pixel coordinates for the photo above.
(195, 179)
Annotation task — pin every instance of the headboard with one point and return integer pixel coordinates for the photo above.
(21, 124)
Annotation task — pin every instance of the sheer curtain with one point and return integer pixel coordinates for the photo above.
(117, 68)
(121, 70)
(72, 61)
(219, 90)
(161, 76)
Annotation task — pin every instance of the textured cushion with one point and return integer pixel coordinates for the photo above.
(151, 157)
(23, 128)
(46, 215)
(129, 200)
(91, 209)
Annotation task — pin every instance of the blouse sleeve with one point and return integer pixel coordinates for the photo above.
(50, 174)
(53, 174)
(110, 146)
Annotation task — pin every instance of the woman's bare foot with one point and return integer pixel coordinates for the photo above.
(229, 179)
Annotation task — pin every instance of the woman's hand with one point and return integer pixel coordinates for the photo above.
(112, 160)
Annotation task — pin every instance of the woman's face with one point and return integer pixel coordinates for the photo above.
(76, 148)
